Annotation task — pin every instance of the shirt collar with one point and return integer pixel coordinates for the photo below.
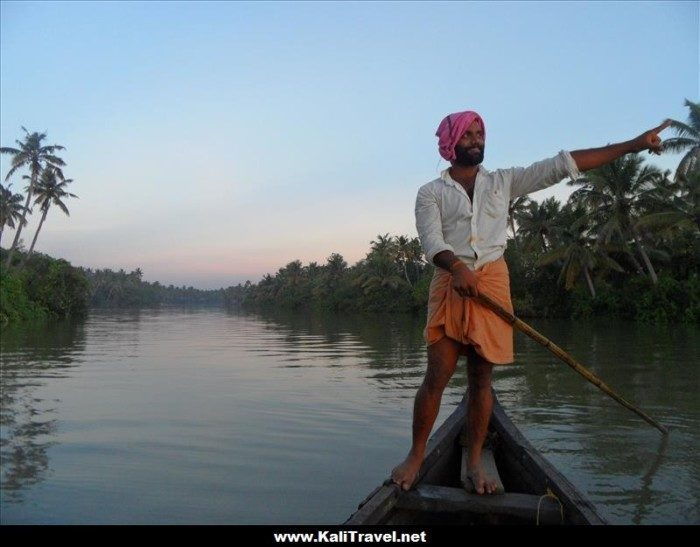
(445, 176)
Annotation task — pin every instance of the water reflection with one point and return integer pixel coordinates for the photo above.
(31, 356)
(645, 495)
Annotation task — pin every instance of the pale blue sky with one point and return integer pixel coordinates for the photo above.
(214, 142)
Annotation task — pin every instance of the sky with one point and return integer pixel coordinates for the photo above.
(211, 143)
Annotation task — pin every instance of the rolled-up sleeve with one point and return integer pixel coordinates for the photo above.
(429, 225)
(541, 174)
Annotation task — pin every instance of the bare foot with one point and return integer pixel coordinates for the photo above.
(405, 473)
(482, 482)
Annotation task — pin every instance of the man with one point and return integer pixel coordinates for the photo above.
(461, 218)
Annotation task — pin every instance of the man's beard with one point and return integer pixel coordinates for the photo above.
(464, 157)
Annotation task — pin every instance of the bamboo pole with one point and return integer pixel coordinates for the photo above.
(568, 359)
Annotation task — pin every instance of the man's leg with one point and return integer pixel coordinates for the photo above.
(442, 362)
(479, 413)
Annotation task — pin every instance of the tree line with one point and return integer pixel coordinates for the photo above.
(625, 244)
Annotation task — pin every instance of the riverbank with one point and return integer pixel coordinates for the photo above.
(45, 288)
(385, 283)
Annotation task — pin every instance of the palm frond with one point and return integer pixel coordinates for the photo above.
(685, 130)
(678, 144)
(694, 114)
(551, 256)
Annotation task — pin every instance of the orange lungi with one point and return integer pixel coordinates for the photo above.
(466, 320)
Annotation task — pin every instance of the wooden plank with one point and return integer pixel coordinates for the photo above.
(455, 500)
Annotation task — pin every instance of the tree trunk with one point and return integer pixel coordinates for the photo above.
(405, 271)
(589, 281)
(635, 262)
(24, 218)
(41, 222)
(645, 258)
(511, 222)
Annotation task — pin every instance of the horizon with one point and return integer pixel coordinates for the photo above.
(187, 125)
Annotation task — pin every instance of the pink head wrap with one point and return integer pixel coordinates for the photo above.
(451, 129)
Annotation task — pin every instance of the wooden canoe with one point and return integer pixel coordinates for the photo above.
(534, 491)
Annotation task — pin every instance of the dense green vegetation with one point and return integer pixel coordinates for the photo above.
(45, 288)
(48, 288)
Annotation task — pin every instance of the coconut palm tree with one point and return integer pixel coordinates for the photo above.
(313, 269)
(403, 255)
(384, 245)
(688, 139)
(336, 265)
(535, 223)
(49, 190)
(414, 255)
(516, 207)
(33, 155)
(578, 249)
(680, 207)
(292, 274)
(11, 208)
(616, 194)
(381, 272)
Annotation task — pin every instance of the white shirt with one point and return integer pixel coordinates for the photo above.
(446, 219)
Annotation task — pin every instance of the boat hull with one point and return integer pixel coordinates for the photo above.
(536, 492)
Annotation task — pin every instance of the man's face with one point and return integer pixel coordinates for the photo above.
(469, 150)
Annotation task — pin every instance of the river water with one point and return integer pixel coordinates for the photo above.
(211, 416)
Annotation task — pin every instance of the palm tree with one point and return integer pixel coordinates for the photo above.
(335, 266)
(516, 207)
(403, 255)
(49, 190)
(579, 251)
(414, 255)
(384, 245)
(10, 208)
(616, 194)
(680, 207)
(688, 139)
(380, 273)
(313, 269)
(33, 155)
(291, 274)
(535, 223)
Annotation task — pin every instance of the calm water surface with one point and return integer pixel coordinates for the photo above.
(204, 415)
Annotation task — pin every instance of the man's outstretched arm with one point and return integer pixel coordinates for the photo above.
(596, 157)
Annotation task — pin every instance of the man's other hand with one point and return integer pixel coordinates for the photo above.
(464, 280)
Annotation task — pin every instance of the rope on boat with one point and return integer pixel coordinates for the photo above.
(549, 494)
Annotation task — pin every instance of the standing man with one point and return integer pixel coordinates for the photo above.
(461, 218)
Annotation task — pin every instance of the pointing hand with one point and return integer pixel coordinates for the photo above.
(650, 140)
